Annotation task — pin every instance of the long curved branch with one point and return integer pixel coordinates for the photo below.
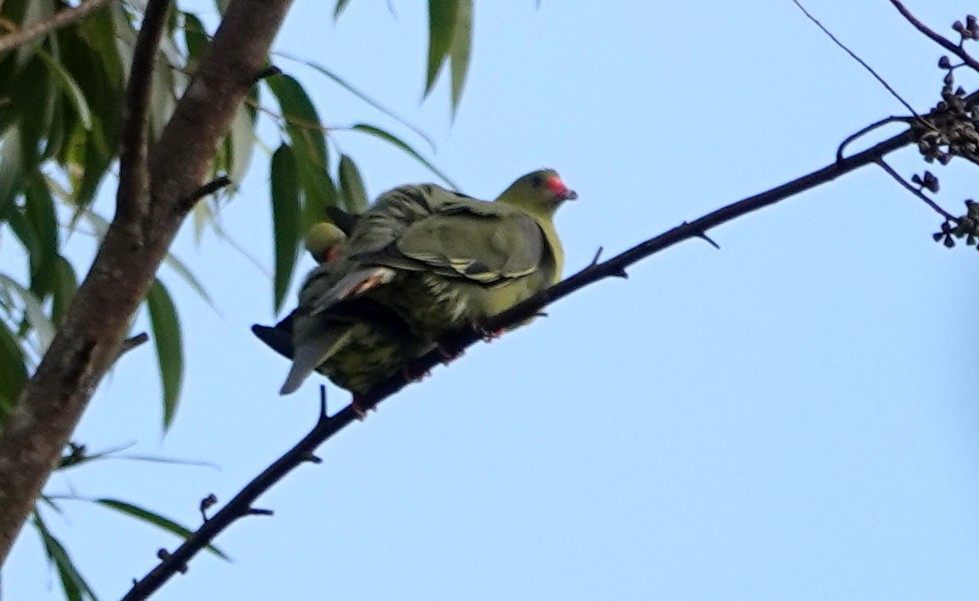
(56, 21)
(132, 196)
(326, 426)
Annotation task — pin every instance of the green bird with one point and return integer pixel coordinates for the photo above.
(323, 241)
(443, 260)
(355, 344)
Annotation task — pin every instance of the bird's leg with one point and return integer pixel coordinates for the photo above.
(447, 355)
(485, 334)
(412, 378)
(360, 407)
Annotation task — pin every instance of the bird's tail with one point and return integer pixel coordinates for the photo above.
(312, 353)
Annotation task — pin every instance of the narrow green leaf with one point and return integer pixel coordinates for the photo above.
(341, 4)
(92, 163)
(32, 12)
(302, 121)
(155, 519)
(65, 286)
(343, 83)
(241, 141)
(72, 583)
(184, 272)
(441, 25)
(196, 39)
(169, 348)
(319, 192)
(461, 49)
(34, 312)
(352, 187)
(99, 32)
(12, 168)
(13, 370)
(377, 132)
(70, 87)
(286, 218)
(40, 212)
(34, 100)
(22, 227)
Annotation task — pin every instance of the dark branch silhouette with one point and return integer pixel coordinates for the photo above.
(326, 426)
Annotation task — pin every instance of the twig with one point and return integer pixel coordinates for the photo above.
(270, 71)
(54, 22)
(133, 195)
(935, 37)
(865, 130)
(207, 189)
(931, 203)
(856, 58)
(326, 426)
(130, 343)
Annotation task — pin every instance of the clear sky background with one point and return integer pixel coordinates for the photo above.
(791, 417)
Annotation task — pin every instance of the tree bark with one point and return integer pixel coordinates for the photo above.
(88, 341)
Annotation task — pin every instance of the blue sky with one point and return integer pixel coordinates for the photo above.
(791, 417)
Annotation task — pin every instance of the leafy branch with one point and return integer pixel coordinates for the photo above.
(56, 21)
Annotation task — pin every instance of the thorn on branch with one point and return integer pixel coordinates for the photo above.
(130, 343)
(620, 273)
(270, 71)
(314, 459)
(704, 236)
(541, 314)
(209, 188)
(598, 254)
(164, 555)
(257, 511)
(206, 503)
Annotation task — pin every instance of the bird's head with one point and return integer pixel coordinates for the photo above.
(324, 241)
(540, 192)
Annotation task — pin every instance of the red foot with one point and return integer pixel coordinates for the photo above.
(360, 408)
(412, 378)
(447, 356)
(487, 335)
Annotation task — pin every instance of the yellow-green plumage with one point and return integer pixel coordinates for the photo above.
(355, 344)
(443, 260)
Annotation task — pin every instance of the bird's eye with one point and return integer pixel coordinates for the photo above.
(537, 181)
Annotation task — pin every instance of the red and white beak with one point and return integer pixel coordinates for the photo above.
(560, 190)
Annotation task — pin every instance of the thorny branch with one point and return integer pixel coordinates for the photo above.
(326, 426)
